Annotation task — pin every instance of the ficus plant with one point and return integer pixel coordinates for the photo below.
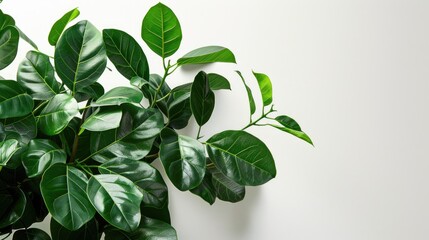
(84, 155)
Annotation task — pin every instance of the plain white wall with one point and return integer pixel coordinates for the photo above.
(353, 73)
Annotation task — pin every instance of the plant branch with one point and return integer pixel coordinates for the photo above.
(263, 116)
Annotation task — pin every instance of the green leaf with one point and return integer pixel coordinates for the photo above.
(80, 56)
(161, 30)
(26, 38)
(31, 234)
(102, 120)
(6, 20)
(146, 177)
(59, 111)
(14, 102)
(210, 54)
(63, 190)
(139, 82)
(36, 74)
(126, 54)
(226, 189)
(162, 214)
(25, 127)
(218, 82)
(41, 154)
(59, 26)
(150, 89)
(249, 94)
(89, 231)
(202, 98)
(7, 149)
(206, 189)
(149, 229)
(133, 139)
(93, 91)
(183, 159)
(266, 88)
(242, 157)
(118, 96)
(9, 39)
(179, 107)
(289, 125)
(12, 213)
(116, 199)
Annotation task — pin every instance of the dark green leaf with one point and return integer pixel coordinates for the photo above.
(102, 120)
(14, 211)
(31, 234)
(183, 159)
(210, 54)
(266, 88)
(161, 30)
(120, 95)
(162, 214)
(9, 39)
(179, 106)
(206, 189)
(138, 81)
(93, 91)
(7, 149)
(64, 191)
(150, 89)
(133, 139)
(57, 114)
(14, 102)
(80, 56)
(218, 82)
(126, 54)
(26, 38)
(89, 231)
(6, 20)
(116, 199)
(289, 125)
(41, 154)
(249, 95)
(146, 177)
(242, 157)
(24, 127)
(226, 189)
(202, 98)
(59, 26)
(36, 74)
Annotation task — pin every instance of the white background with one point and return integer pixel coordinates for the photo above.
(354, 74)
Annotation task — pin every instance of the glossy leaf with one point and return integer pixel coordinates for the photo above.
(206, 189)
(289, 125)
(210, 54)
(242, 157)
(218, 82)
(25, 128)
(80, 56)
(179, 107)
(161, 30)
(41, 154)
(63, 189)
(59, 111)
(150, 89)
(7, 149)
(31, 234)
(146, 177)
(14, 102)
(9, 39)
(249, 94)
(138, 81)
(6, 20)
(162, 214)
(149, 229)
(86, 232)
(133, 139)
(183, 159)
(266, 88)
(126, 54)
(59, 26)
(15, 210)
(118, 96)
(93, 91)
(226, 189)
(116, 199)
(202, 98)
(36, 74)
(103, 120)
(26, 38)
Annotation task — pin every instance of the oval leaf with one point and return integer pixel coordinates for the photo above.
(89, 231)
(59, 26)
(116, 199)
(6, 20)
(7, 149)
(17, 201)
(9, 39)
(25, 127)
(93, 91)
(210, 54)
(218, 82)
(242, 157)
(118, 96)
(202, 98)
(103, 120)
(161, 30)
(63, 190)
(266, 88)
(226, 189)
(80, 56)
(36, 74)
(249, 94)
(41, 154)
(14, 102)
(31, 234)
(179, 107)
(206, 189)
(289, 125)
(183, 159)
(57, 114)
(126, 54)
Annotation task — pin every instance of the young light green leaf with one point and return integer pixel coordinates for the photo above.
(116, 199)
(63, 190)
(126, 54)
(289, 125)
(102, 120)
(14, 102)
(218, 82)
(59, 26)
(225, 188)
(59, 111)
(241, 157)
(202, 98)
(183, 159)
(118, 96)
(80, 56)
(31, 234)
(266, 88)
(161, 30)
(7, 149)
(16, 197)
(210, 54)
(9, 39)
(249, 94)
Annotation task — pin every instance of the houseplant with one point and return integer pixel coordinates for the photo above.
(83, 155)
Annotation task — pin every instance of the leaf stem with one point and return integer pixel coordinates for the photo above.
(198, 134)
(40, 105)
(76, 137)
(263, 116)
